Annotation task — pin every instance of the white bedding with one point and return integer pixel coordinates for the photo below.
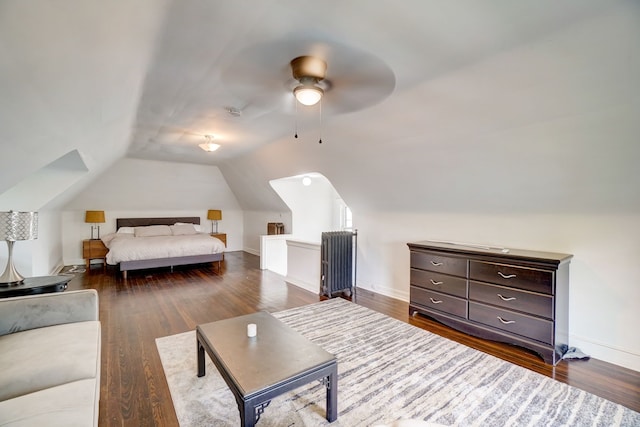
(126, 247)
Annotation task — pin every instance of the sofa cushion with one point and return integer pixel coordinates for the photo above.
(42, 310)
(72, 404)
(47, 357)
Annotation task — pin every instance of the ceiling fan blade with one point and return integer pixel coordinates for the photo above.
(263, 73)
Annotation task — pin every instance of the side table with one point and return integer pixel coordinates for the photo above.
(221, 236)
(94, 249)
(36, 285)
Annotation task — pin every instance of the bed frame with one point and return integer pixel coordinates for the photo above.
(163, 262)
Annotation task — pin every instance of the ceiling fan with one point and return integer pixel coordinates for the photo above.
(271, 74)
(309, 71)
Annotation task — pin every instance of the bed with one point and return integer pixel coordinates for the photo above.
(163, 251)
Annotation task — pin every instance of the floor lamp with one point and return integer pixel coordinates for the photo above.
(16, 226)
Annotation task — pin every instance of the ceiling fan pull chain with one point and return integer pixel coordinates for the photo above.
(320, 140)
(296, 118)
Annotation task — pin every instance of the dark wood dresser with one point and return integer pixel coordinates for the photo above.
(517, 296)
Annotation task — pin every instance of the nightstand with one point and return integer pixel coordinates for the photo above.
(94, 249)
(221, 236)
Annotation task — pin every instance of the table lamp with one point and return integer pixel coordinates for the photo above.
(94, 217)
(16, 226)
(214, 216)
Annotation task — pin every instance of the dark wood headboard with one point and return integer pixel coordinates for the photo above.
(142, 222)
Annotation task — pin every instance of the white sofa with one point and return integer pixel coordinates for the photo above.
(50, 359)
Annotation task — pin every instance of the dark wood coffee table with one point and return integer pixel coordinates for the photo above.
(258, 369)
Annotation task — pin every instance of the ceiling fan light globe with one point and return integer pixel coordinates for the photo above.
(209, 146)
(308, 95)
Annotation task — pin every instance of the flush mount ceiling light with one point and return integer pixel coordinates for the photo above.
(308, 70)
(209, 146)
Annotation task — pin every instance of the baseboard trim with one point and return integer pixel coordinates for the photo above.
(251, 251)
(387, 292)
(302, 284)
(57, 269)
(605, 352)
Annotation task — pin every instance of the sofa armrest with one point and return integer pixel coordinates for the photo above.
(37, 311)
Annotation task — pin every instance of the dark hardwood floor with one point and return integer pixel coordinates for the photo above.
(156, 303)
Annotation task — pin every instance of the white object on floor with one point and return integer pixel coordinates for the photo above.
(575, 353)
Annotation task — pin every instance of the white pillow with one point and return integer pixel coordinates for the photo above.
(107, 238)
(152, 231)
(196, 226)
(183, 229)
(126, 230)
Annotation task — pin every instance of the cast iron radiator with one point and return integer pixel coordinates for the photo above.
(338, 262)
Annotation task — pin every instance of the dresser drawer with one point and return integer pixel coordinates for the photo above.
(521, 324)
(437, 301)
(509, 298)
(518, 277)
(439, 263)
(439, 282)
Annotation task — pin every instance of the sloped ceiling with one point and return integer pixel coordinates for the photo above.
(491, 105)
(71, 73)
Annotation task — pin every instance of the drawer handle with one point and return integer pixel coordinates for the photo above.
(506, 298)
(506, 276)
(436, 264)
(433, 282)
(435, 301)
(506, 322)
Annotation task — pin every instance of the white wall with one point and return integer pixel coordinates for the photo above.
(604, 296)
(255, 225)
(47, 249)
(312, 206)
(273, 253)
(303, 265)
(314, 209)
(145, 188)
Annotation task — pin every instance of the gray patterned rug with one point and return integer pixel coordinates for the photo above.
(389, 370)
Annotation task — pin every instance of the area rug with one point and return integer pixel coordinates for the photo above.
(389, 370)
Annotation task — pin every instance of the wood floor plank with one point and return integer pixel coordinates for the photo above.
(155, 303)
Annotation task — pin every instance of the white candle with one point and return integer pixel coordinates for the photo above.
(252, 330)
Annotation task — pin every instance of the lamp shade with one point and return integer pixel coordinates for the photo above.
(18, 226)
(94, 216)
(214, 215)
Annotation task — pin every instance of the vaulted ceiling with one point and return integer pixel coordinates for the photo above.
(456, 102)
